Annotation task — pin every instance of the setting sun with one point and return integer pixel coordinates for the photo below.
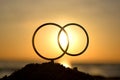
(65, 63)
(63, 40)
(72, 40)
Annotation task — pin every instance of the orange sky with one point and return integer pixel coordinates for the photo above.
(19, 19)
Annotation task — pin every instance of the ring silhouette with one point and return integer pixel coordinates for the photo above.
(33, 41)
(74, 24)
(58, 38)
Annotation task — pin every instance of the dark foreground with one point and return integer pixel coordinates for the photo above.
(51, 71)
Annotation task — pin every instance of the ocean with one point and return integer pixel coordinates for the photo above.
(107, 70)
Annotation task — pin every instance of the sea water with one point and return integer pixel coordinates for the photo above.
(107, 70)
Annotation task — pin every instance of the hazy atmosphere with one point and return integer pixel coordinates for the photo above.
(20, 18)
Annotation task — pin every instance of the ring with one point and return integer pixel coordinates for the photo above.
(86, 36)
(33, 41)
(58, 40)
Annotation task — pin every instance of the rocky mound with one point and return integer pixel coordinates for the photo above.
(47, 71)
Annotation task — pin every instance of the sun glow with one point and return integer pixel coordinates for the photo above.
(65, 63)
(63, 40)
(48, 46)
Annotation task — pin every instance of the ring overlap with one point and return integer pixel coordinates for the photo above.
(63, 50)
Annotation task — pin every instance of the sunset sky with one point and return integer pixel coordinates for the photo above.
(20, 18)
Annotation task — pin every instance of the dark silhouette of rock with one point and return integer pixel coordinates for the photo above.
(98, 77)
(47, 71)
